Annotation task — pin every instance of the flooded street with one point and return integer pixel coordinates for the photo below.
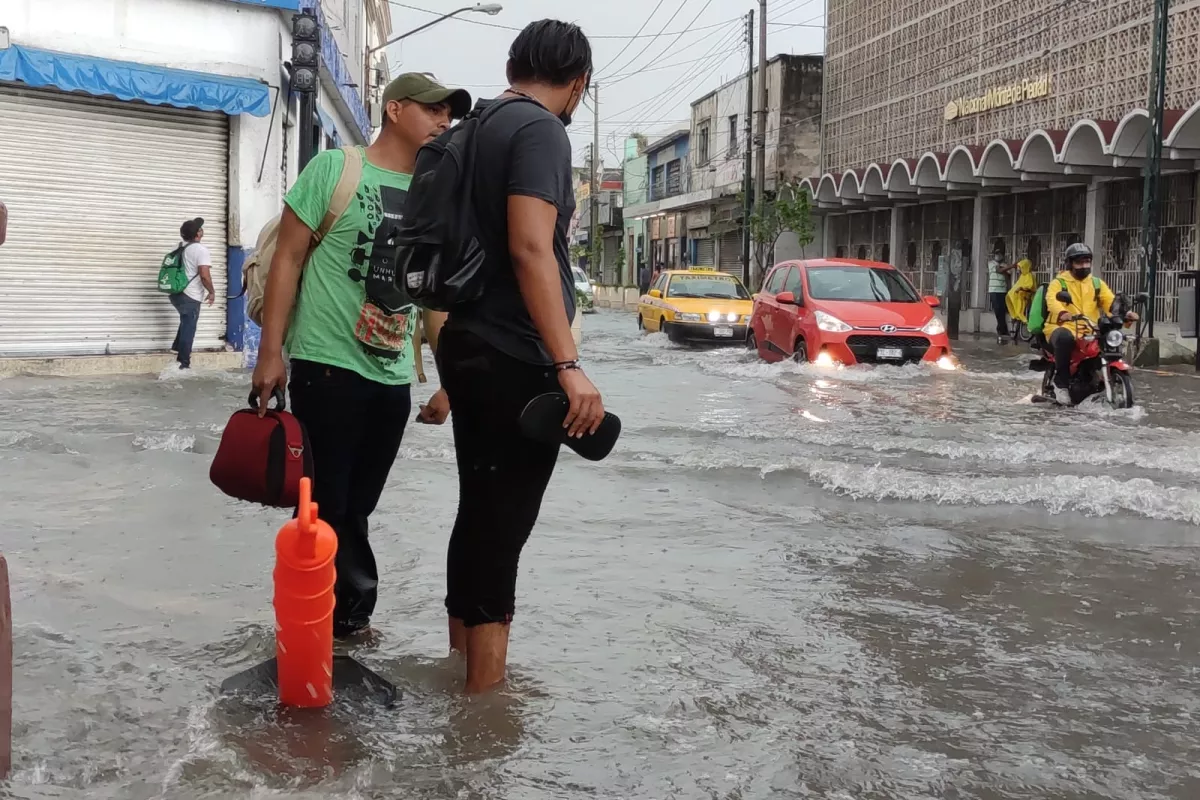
(786, 582)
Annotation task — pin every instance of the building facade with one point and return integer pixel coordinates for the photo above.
(702, 208)
(122, 118)
(636, 177)
(958, 130)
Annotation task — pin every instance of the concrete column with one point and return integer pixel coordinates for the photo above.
(896, 237)
(981, 251)
(827, 236)
(1093, 230)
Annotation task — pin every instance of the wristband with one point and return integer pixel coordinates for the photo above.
(563, 366)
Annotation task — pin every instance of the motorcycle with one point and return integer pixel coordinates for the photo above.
(1098, 363)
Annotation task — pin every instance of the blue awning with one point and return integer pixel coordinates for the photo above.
(127, 80)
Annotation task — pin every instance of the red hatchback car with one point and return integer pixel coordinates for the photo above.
(845, 311)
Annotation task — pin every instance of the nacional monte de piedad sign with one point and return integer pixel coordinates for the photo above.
(999, 97)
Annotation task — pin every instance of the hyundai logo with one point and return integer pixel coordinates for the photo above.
(888, 328)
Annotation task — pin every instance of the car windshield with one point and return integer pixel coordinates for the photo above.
(860, 284)
(710, 286)
(580, 276)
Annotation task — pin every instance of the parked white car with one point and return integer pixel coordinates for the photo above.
(585, 287)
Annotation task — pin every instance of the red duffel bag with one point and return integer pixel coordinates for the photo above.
(261, 460)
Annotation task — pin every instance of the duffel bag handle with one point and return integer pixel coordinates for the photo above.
(280, 401)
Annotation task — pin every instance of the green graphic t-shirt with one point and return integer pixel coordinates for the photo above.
(348, 312)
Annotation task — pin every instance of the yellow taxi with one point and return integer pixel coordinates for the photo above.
(697, 304)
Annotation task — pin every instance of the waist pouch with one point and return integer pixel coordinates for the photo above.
(261, 460)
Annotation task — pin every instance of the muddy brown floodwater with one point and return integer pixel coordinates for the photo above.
(786, 582)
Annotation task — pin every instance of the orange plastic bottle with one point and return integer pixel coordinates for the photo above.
(304, 578)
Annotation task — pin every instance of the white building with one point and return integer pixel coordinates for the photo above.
(120, 119)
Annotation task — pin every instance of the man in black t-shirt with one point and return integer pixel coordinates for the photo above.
(515, 343)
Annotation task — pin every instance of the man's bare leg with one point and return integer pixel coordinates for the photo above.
(487, 653)
(458, 637)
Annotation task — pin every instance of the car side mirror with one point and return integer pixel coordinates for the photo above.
(655, 293)
(1064, 298)
(932, 301)
(786, 299)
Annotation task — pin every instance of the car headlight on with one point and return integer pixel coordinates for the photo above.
(714, 316)
(731, 317)
(688, 317)
(1114, 339)
(831, 324)
(935, 327)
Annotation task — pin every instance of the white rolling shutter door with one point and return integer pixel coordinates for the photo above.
(731, 253)
(704, 252)
(96, 191)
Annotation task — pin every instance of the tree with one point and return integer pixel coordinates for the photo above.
(788, 210)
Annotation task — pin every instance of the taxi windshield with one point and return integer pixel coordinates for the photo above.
(860, 284)
(707, 286)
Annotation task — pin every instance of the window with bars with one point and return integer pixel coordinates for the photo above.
(674, 173)
(733, 136)
(702, 147)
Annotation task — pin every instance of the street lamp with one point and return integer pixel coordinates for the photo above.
(491, 9)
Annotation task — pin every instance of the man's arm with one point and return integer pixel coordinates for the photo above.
(1055, 308)
(432, 322)
(291, 249)
(1106, 298)
(205, 273)
(531, 223)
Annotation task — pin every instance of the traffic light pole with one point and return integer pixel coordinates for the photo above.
(308, 140)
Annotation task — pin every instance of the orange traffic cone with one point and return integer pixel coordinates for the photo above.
(304, 599)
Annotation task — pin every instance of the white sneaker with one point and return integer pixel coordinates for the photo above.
(1062, 396)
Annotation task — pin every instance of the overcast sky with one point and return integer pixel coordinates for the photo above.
(648, 87)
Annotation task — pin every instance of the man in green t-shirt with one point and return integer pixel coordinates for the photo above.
(349, 340)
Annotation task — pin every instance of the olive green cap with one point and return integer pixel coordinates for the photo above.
(424, 89)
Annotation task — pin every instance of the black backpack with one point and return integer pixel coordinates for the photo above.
(440, 263)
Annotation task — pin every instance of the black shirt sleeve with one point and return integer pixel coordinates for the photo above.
(540, 162)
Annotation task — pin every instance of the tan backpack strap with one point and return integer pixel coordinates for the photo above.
(418, 335)
(343, 193)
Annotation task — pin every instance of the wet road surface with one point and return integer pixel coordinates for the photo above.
(786, 582)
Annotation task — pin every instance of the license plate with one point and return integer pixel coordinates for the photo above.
(891, 353)
(723, 332)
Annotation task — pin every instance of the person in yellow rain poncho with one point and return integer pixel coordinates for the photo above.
(1019, 295)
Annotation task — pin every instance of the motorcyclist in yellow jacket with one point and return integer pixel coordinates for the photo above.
(1060, 331)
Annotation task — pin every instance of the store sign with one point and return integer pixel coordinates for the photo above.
(672, 228)
(700, 218)
(998, 97)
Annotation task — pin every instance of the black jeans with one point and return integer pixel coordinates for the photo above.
(1000, 309)
(354, 427)
(1063, 345)
(502, 476)
(189, 317)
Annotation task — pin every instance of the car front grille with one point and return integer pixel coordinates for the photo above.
(866, 347)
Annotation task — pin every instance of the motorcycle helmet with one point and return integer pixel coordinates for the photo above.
(1076, 251)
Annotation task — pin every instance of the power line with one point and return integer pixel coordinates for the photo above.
(612, 60)
(654, 38)
(728, 39)
(589, 36)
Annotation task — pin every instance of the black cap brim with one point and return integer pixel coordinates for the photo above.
(459, 100)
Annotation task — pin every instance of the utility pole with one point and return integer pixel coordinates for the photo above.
(594, 234)
(748, 188)
(1153, 175)
(760, 186)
